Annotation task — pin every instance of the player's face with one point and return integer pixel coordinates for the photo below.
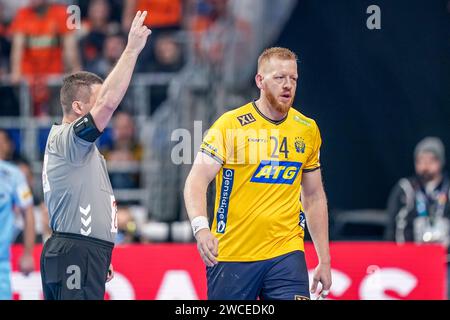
(280, 83)
(428, 167)
(5, 146)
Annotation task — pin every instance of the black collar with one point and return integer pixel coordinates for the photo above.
(276, 122)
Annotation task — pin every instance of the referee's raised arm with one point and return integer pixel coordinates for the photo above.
(117, 82)
(76, 259)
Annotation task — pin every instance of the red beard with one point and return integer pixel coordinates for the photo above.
(280, 107)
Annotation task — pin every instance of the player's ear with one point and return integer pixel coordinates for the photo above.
(258, 79)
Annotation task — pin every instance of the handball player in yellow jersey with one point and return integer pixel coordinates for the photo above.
(265, 159)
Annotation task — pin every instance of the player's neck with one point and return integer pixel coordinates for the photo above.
(268, 111)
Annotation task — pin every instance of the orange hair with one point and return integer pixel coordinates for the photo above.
(278, 52)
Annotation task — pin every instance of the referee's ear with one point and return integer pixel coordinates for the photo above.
(77, 107)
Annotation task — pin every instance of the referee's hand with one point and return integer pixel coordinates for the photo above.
(137, 37)
(110, 273)
(208, 247)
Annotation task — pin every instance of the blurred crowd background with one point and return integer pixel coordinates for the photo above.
(374, 93)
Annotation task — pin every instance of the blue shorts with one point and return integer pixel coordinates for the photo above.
(5, 280)
(281, 278)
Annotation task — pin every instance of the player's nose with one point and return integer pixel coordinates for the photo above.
(288, 84)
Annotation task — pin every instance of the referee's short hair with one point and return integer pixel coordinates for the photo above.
(77, 87)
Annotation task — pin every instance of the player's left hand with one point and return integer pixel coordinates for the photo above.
(322, 274)
(26, 263)
(110, 273)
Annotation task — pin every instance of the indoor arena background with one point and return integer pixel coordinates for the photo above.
(375, 92)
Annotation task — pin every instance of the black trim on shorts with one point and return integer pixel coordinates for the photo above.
(74, 236)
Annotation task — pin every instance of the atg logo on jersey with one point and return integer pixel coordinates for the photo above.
(276, 172)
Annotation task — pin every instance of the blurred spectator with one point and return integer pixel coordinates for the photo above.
(162, 13)
(5, 46)
(43, 230)
(113, 47)
(124, 153)
(168, 54)
(9, 9)
(8, 97)
(7, 147)
(127, 229)
(167, 58)
(418, 206)
(219, 34)
(95, 29)
(165, 17)
(41, 41)
(116, 9)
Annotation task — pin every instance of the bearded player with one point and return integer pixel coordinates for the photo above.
(265, 159)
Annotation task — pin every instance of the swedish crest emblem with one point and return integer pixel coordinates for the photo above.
(300, 145)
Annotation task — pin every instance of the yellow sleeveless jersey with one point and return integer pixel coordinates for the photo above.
(258, 214)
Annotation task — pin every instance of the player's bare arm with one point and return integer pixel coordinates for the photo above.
(18, 44)
(316, 211)
(117, 82)
(72, 58)
(27, 261)
(203, 171)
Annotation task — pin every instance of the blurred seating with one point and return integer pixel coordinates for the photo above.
(96, 27)
(42, 46)
(361, 224)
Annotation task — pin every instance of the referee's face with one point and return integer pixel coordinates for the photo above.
(95, 90)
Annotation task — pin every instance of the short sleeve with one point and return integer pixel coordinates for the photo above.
(23, 197)
(214, 143)
(313, 162)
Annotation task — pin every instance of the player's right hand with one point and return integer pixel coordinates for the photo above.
(208, 247)
(137, 37)
(26, 263)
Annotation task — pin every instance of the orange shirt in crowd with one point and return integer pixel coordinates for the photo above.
(161, 13)
(43, 52)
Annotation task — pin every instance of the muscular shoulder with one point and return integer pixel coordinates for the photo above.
(235, 117)
(302, 119)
